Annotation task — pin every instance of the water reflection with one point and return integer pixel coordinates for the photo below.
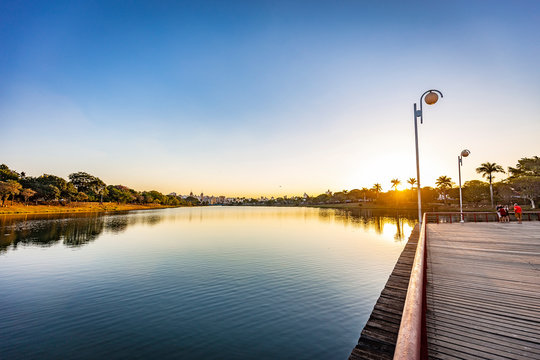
(187, 283)
(79, 229)
(381, 222)
(71, 229)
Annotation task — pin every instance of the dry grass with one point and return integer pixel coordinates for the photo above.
(18, 208)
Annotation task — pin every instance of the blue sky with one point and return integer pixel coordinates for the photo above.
(265, 98)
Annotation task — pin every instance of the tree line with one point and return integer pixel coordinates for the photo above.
(80, 187)
(522, 185)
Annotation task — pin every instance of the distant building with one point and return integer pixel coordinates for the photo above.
(442, 197)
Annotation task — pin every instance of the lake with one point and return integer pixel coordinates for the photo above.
(193, 283)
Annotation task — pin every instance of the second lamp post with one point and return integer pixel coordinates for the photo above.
(464, 153)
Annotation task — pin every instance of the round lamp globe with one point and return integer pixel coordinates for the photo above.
(465, 153)
(431, 98)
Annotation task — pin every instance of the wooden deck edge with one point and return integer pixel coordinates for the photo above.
(378, 338)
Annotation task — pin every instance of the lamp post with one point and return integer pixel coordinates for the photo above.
(431, 98)
(464, 153)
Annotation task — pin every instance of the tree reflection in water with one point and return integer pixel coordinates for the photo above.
(78, 229)
(373, 219)
(72, 229)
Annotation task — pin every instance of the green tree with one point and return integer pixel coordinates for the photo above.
(412, 182)
(36, 185)
(153, 197)
(475, 191)
(526, 167)
(377, 188)
(355, 195)
(67, 190)
(528, 187)
(395, 183)
(503, 192)
(429, 194)
(81, 196)
(120, 194)
(340, 196)
(9, 188)
(93, 186)
(525, 179)
(7, 174)
(27, 193)
(444, 183)
(487, 170)
(321, 199)
(51, 192)
(193, 201)
(50, 187)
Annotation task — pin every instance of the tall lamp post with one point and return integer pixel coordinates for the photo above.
(464, 153)
(431, 98)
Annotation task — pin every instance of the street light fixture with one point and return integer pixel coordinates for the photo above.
(464, 153)
(431, 97)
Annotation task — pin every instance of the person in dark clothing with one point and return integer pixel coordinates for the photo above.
(499, 215)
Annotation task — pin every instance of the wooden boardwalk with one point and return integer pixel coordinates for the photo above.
(483, 290)
(378, 338)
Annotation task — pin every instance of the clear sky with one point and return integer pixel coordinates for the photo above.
(266, 97)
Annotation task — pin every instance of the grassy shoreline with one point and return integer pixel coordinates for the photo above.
(82, 207)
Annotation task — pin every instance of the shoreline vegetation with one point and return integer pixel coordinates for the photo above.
(81, 207)
(83, 192)
(92, 207)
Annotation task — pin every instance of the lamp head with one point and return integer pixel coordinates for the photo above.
(431, 98)
(465, 153)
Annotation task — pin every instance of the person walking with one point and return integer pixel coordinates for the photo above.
(518, 212)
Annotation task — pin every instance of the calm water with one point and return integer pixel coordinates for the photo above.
(193, 283)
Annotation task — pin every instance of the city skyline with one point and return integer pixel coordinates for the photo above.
(266, 98)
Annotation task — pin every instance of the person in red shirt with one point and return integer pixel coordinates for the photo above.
(518, 212)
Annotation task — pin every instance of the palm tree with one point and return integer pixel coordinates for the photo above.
(444, 183)
(487, 170)
(412, 182)
(395, 183)
(377, 188)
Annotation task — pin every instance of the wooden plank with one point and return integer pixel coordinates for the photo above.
(482, 293)
(481, 345)
(489, 324)
(480, 334)
(463, 350)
